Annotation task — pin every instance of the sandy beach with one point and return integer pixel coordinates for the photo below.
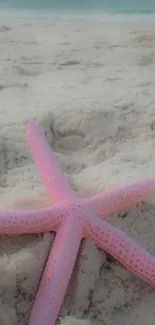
(91, 87)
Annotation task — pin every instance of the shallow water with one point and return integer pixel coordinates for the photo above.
(109, 6)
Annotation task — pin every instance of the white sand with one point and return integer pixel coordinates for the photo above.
(92, 89)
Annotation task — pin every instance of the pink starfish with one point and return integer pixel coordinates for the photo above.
(74, 219)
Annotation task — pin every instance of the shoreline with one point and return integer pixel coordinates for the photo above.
(79, 16)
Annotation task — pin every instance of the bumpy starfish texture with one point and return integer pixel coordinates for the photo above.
(74, 219)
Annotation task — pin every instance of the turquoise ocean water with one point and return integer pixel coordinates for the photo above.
(107, 9)
(109, 6)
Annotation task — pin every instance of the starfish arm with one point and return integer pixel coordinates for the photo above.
(57, 273)
(120, 197)
(51, 174)
(14, 222)
(123, 248)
